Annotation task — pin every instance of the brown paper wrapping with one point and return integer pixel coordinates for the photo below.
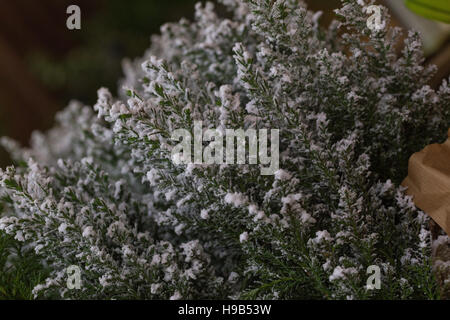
(428, 182)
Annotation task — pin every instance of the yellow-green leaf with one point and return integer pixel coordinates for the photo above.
(431, 9)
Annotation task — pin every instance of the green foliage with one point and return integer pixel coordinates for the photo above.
(20, 269)
(432, 9)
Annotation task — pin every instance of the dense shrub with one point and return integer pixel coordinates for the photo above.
(99, 190)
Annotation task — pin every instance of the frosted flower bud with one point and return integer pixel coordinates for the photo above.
(243, 237)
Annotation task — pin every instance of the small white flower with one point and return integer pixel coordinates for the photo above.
(19, 236)
(176, 296)
(204, 214)
(237, 199)
(282, 175)
(243, 237)
(154, 289)
(88, 232)
(62, 228)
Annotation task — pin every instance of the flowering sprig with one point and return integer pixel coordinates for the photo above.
(100, 190)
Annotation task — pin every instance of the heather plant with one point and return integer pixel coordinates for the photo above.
(20, 269)
(100, 190)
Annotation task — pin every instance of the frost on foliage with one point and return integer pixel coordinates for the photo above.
(99, 190)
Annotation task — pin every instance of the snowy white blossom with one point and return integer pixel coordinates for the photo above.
(100, 189)
(243, 237)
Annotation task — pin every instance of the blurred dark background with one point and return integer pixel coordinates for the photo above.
(43, 65)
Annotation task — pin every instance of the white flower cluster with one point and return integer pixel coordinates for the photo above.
(99, 190)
